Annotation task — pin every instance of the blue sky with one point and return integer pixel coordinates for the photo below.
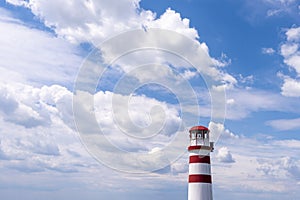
(141, 73)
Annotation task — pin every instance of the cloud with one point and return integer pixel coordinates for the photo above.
(293, 34)
(180, 167)
(44, 147)
(248, 80)
(248, 100)
(172, 20)
(288, 49)
(290, 87)
(218, 130)
(31, 113)
(17, 2)
(53, 149)
(136, 117)
(44, 153)
(97, 19)
(3, 155)
(18, 113)
(43, 115)
(31, 107)
(291, 54)
(295, 144)
(7, 103)
(100, 20)
(257, 11)
(224, 155)
(294, 62)
(268, 51)
(127, 135)
(37, 61)
(37, 129)
(285, 166)
(223, 61)
(281, 7)
(285, 124)
(257, 164)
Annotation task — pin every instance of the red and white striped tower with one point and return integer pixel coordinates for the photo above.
(200, 182)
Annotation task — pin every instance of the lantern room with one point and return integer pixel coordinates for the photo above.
(199, 137)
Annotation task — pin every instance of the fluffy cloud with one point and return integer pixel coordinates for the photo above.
(283, 167)
(49, 145)
(100, 20)
(32, 107)
(293, 34)
(97, 19)
(218, 131)
(37, 131)
(291, 54)
(224, 155)
(39, 155)
(293, 58)
(127, 135)
(28, 123)
(53, 148)
(135, 118)
(172, 21)
(288, 49)
(35, 113)
(291, 87)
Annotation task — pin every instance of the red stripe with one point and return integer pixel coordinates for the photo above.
(199, 178)
(200, 159)
(200, 147)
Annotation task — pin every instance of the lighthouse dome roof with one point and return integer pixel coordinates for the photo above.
(199, 128)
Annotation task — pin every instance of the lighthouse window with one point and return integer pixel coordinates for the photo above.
(193, 135)
(205, 135)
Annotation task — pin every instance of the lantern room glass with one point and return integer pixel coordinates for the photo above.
(199, 138)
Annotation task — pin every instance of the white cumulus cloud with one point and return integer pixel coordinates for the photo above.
(293, 34)
(224, 155)
(100, 20)
(291, 54)
(291, 87)
(94, 21)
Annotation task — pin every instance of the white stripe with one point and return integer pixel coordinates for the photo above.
(199, 153)
(199, 168)
(200, 191)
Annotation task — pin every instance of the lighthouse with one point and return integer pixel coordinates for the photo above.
(200, 181)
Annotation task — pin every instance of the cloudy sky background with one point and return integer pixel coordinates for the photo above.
(254, 54)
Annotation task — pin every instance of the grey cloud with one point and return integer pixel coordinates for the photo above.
(42, 147)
